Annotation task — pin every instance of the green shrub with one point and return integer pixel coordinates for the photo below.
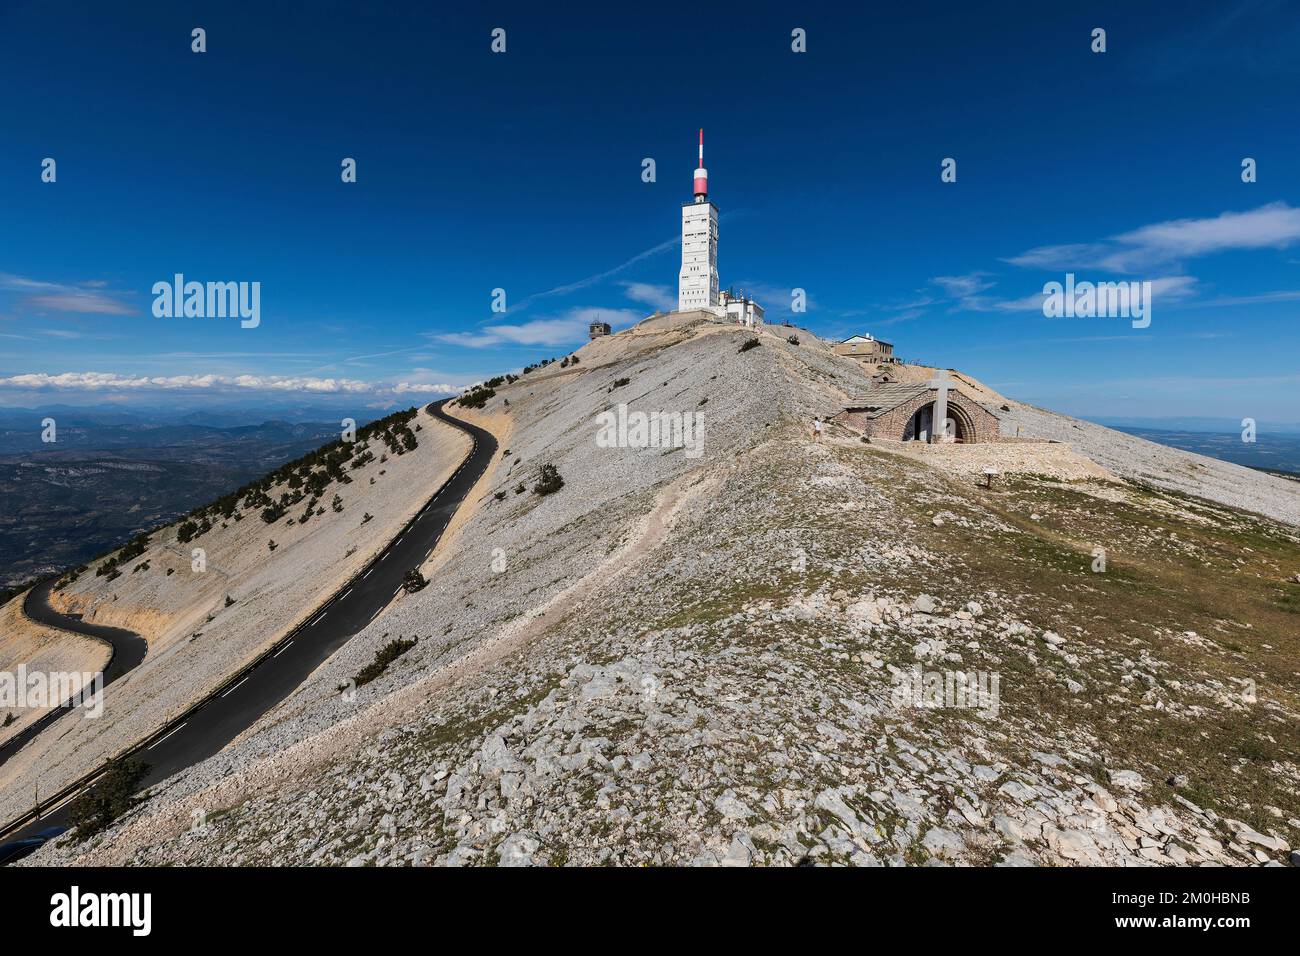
(548, 480)
(383, 657)
(114, 795)
(133, 549)
(477, 398)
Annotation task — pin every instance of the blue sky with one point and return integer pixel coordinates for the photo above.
(522, 171)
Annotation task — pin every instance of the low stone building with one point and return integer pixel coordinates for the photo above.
(598, 328)
(866, 349)
(905, 411)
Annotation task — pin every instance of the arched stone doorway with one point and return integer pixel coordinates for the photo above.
(921, 426)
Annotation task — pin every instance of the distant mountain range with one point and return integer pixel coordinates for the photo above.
(112, 474)
(226, 415)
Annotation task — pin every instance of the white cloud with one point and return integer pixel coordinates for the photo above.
(567, 329)
(82, 302)
(92, 381)
(659, 297)
(1080, 255)
(419, 388)
(1274, 226)
(304, 384)
(966, 291)
(20, 284)
(54, 297)
(1263, 298)
(963, 286)
(1174, 287)
(112, 381)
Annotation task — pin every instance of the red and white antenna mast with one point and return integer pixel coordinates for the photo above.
(701, 175)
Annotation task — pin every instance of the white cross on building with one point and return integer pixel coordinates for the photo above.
(942, 428)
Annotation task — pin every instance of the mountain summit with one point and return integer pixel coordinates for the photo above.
(717, 636)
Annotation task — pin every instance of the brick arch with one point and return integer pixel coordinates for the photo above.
(958, 409)
(965, 421)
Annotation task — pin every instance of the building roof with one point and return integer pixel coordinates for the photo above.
(868, 338)
(886, 396)
(889, 395)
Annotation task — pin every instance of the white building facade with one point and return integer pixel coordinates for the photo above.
(698, 286)
(741, 309)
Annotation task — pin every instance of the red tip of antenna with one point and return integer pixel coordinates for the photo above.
(701, 182)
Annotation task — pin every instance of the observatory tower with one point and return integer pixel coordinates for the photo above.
(697, 286)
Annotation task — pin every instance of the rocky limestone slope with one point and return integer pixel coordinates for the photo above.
(1162, 466)
(711, 660)
(203, 623)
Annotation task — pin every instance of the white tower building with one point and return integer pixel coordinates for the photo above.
(697, 286)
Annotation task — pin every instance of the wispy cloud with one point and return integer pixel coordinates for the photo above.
(962, 287)
(967, 292)
(659, 297)
(422, 388)
(1164, 244)
(561, 330)
(80, 302)
(85, 298)
(1263, 298)
(898, 318)
(591, 280)
(116, 382)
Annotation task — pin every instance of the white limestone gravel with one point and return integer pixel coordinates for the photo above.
(677, 660)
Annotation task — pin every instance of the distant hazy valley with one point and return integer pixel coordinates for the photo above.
(1271, 450)
(110, 475)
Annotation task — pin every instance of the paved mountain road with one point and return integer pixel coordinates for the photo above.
(212, 723)
(128, 650)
